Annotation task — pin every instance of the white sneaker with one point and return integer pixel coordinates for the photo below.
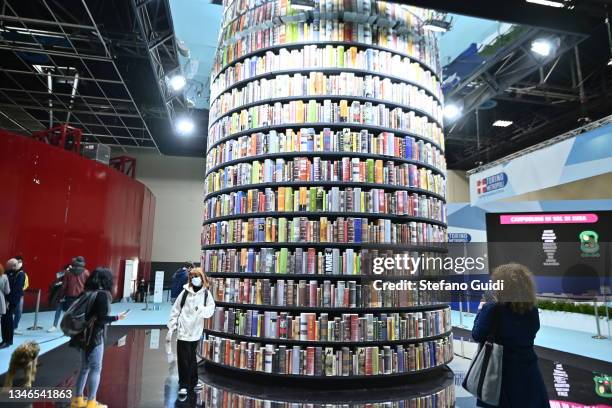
(51, 329)
(199, 385)
(17, 332)
(182, 394)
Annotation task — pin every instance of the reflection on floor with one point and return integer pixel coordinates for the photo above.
(138, 373)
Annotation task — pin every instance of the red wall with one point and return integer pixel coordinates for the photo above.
(55, 205)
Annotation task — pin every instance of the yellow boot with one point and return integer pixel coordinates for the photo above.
(95, 404)
(78, 402)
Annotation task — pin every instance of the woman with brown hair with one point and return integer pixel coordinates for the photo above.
(512, 317)
(194, 304)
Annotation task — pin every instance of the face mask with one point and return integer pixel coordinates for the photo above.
(196, 281)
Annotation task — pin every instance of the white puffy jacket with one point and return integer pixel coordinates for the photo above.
(189, 322)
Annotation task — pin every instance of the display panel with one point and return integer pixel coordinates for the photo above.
(568, 252)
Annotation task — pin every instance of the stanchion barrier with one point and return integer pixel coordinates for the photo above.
(146, 297)
(607, 309)
(36, 326)
(463, 326)
(598, 336)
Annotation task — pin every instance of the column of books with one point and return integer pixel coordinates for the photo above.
(325, 152)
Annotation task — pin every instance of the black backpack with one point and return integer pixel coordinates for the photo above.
(75, 319)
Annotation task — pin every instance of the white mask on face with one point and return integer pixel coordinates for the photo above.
(196, 281)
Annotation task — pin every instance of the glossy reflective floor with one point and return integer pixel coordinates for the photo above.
(138, 372)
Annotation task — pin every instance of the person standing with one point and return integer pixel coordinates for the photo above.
(15, 280)
(4, 290)
(512, 317)
(91, 342)
(194, 304)
(26, 284)
(179, 279)
(56, 295)
(74, 281)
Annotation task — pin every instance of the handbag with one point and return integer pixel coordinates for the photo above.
(483, 378)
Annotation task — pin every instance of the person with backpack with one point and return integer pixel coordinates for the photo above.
(16, 280)
(85, 322)
(26, 284)
(73, 284)
(179, 279)
(194, 304)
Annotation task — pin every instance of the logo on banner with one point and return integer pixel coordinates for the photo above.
(589, 243)
(492, 183)
(459, 237)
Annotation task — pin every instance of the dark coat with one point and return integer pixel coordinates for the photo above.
(522, 383)
(16, 281)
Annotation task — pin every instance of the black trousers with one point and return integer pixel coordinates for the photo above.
(187, 362)
(7, 324)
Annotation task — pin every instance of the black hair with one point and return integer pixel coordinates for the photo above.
(100, 278)
(19, 258)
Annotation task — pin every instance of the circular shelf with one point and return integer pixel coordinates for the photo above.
(362, 99)
(323, 125)
(324, 343)
(318, 214)
(323, 245)
(298, 276)
(335, 377)
(334, 310)
(388, 187)
(296, 45)
(330, 71)
(324, 155)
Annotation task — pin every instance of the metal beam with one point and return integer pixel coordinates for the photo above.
(44, 108)
(515, 12)
(55, 53)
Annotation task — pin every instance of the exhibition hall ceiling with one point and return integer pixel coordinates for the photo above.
(124, 51)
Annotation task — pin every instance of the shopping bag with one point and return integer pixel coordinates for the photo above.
(484, 377)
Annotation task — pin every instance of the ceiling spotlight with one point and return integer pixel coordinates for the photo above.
(549, 3)
(502, 123)
(184, 126)
(452, 111)
(177, 82)
(436, 25)
(302, 4)
(543, 47)
(610, 62)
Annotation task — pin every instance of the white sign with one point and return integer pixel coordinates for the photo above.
(154, 340)
(129, 277)
(158, 290)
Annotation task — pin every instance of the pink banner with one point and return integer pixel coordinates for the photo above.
(569, 404)
(518, 219)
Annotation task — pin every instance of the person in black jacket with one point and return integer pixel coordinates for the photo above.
(91, 342)
(16, 279)
(514, 313)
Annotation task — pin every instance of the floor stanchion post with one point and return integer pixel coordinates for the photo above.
(598, 336)
(36, 326)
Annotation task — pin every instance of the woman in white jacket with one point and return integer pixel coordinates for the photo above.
(194, 304)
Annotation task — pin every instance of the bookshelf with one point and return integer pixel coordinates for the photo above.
(325, 150)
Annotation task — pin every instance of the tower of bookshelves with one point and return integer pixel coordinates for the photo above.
(325, 152)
